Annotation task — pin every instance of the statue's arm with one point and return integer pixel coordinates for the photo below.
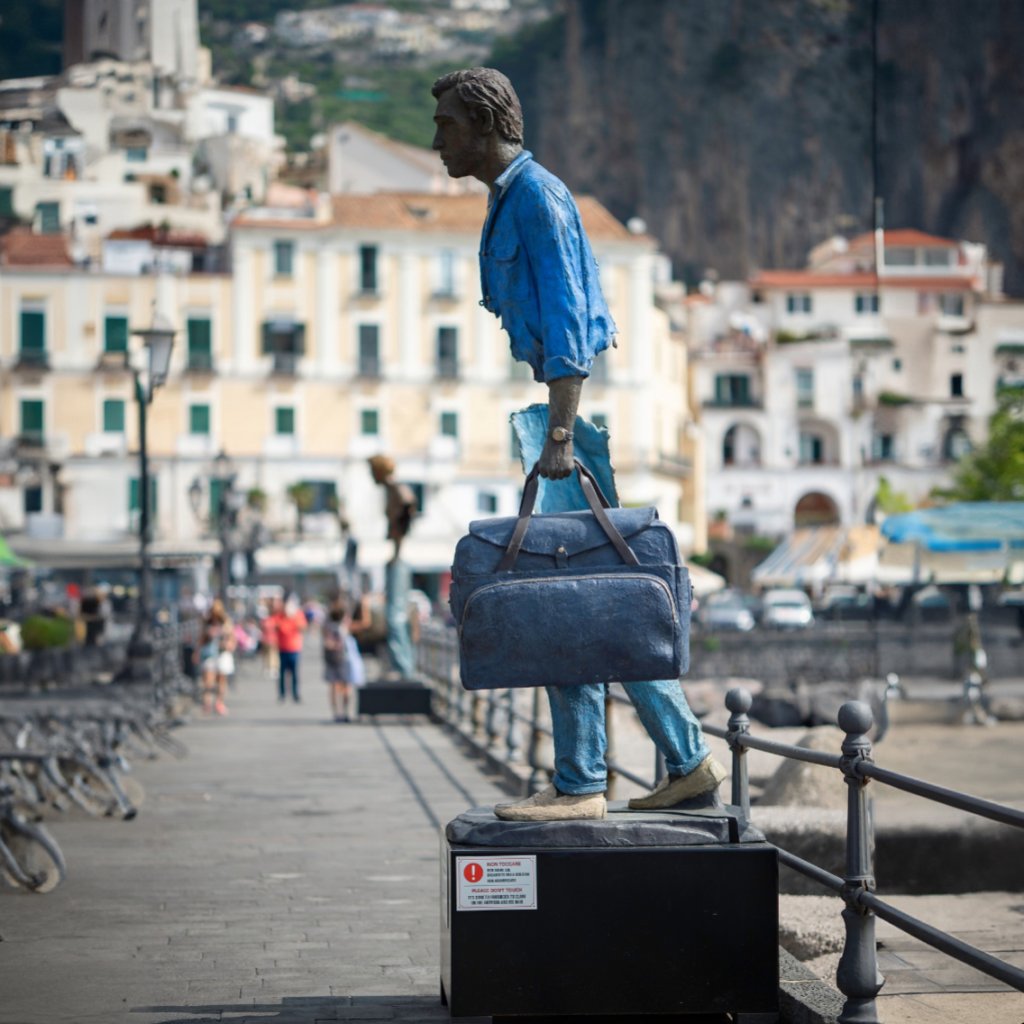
(556, 458)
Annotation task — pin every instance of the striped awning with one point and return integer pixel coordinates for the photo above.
(808, 556)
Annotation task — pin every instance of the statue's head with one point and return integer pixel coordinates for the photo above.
(478, 116)
(382, 467)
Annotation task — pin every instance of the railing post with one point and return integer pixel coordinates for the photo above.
(491, 724)
(536, 780)
(858, 976)
(512, 742)
(609, 728)
(739, 701)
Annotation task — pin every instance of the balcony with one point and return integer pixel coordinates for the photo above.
(32, 359)
(369, 368)
(199, 362)
(447, 369)
(729, 402)
(285, 364)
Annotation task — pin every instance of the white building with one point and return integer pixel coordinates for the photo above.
(814, 384)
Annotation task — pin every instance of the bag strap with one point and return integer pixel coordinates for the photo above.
(595, 499)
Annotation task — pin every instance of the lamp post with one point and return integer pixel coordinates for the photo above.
(229, 503)
(158, 340)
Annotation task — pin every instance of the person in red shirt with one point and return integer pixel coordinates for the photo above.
(288, 624)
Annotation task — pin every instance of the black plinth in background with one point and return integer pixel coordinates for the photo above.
(402, 698)
(618, 930)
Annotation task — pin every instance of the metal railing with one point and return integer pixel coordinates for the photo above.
(494, 721)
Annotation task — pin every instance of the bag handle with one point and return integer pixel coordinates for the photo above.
(595, 499)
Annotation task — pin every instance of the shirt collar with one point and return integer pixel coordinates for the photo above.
(508, 175)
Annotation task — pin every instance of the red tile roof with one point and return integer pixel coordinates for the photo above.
(21, 247)
(858, 279)
(910, 238)
(425, 211)
(160, 236)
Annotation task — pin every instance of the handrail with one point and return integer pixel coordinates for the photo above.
(857, 977)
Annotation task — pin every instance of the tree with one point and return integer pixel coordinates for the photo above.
(995, 471)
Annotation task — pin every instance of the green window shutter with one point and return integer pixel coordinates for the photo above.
(32, 420)
(199, 337)
(283, 258)
(216, 489)
(721, 389)
(369, 423)
(284, 420)
(33, 330)
(299, 339)
(115, 334)
(267, 332)
(49, 218)
(6, 202)
(199, 419)
(133, 497)
(113, 416)
(449, 424)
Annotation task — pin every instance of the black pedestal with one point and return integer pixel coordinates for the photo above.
(401, 698)
(666, 913)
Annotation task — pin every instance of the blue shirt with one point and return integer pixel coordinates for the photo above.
(538, 273)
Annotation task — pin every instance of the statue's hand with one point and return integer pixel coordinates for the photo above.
(556, 460)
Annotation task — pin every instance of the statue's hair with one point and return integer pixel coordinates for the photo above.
(490, 89)
(382, 464)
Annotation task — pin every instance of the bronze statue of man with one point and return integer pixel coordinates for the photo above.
(538, 274)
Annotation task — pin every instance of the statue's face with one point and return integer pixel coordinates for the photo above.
(458, 139)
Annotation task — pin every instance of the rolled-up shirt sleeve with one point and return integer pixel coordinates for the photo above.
(560, 264)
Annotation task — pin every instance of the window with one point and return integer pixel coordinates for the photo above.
(446, 273)
(323, 495)
(938, 257)
(600, 420)
(369, 423)
(285, 341)
(956, 444)
(732, 389)
(134, 506)
(135, 154)
(598, 369)
(897, 365)
(925, 303)
(33, 335)
(113, 416)
(486, 502)
(284, 421)
(199, 420)
(6, 201)
(900, 257)
(200, 343)
(449, 424)
(368, 269)
(883, 448)
(956, 385)
(951, 304)
(812, 449)
(447, 353)
(419, 492)
(805, 389)
(32, 426)
(798, 302)
(48, 216)
(32, 500)
(369, 350)
(865, 302)
(284, 256)
(115, 334)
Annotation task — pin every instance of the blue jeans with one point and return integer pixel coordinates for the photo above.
(577, 712)
(288, 662)
(577, 722)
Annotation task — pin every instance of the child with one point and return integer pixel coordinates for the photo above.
(343, 667)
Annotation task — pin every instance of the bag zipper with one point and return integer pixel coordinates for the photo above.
(563, 579)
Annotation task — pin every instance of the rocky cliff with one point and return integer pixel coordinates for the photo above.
(741, 131)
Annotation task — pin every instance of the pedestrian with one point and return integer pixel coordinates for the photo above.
(288, 624)
(216, 627)
(268, 641)
(343, 664)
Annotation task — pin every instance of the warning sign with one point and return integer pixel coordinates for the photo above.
(496, 883)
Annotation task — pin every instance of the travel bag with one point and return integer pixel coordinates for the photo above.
(594, 596)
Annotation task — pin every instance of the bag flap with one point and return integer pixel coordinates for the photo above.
(574, 531)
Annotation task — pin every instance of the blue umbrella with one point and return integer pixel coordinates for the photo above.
(971, 526)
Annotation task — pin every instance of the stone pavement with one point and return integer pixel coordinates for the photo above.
(285, 871)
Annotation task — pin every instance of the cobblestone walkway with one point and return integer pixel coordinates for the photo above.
(285, 872)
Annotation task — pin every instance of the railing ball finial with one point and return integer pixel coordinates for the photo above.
(855, 717)
(739, 701)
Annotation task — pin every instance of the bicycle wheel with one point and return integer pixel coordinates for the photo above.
(38, 857)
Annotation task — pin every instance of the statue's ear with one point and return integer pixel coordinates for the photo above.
(485, 120)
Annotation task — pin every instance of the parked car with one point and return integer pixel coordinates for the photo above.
(728, 609)
(842, 601)
(786, 609)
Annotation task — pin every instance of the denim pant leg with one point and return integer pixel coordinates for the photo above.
(577, 722)
(665, 714)
(282, 667)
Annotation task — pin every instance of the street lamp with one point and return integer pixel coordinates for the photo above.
(158, 340)
(229, 503)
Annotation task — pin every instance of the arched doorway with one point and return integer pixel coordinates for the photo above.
(816, 509)
(741, 446)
